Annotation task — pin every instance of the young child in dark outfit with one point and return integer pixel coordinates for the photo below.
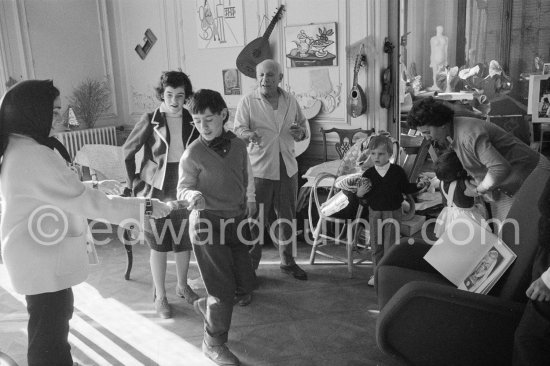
(453, 177)
(215, 178)
(383, 195)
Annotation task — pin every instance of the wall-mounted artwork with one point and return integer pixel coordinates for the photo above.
(231, 82)
(539, 98)
(219, 23)
(149, 40)
(311, 45)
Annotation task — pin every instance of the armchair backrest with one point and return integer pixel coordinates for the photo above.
(525, 211)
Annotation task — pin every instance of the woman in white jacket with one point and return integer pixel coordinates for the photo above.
(44, 212)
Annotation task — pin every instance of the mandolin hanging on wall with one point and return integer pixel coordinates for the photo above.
(257, 50)
(357, 100)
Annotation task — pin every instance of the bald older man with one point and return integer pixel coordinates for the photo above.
(270, 120)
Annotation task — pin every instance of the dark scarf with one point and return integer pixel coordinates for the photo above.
(27, 109)
(221, 144)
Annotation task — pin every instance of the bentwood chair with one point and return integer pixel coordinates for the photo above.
(345, 137)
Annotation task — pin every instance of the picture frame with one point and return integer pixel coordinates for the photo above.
(231, 82)
(546, 69)
(539, 98)
(311, 45)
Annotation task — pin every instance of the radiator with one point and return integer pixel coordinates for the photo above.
(74, 140)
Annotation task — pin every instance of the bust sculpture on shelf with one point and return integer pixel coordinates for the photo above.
(438, 57)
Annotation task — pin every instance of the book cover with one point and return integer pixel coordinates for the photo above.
(470, 256)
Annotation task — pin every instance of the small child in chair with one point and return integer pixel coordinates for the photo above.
(453, 177)
(383, 195)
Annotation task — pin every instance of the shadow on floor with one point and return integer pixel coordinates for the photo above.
(327, 320)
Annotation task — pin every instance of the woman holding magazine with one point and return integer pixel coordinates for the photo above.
(498, 162)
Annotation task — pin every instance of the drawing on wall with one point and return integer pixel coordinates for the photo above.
(219, 23)
(322, 95)
(311, 45)
(231, 82)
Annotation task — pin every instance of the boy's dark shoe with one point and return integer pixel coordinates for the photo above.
(294, 270)
(221, 355)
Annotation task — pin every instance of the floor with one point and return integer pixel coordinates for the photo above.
(327, 320)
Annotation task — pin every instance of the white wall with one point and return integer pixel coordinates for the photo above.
(63, 40)
(69, 40)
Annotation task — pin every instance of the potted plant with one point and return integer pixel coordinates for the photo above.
(90, 99)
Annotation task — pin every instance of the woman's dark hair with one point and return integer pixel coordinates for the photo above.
(429, 112)
(27, 109)
(175, 79)
(206, 98)
(449, 168)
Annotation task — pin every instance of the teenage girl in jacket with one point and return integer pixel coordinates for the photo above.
(164, 134)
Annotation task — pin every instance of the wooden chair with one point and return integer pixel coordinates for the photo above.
(107, 162)
(345, 139)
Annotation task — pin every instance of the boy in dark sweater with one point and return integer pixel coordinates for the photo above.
(383, 195)
(215, 178)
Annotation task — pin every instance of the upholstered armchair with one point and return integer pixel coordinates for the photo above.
(425, 320)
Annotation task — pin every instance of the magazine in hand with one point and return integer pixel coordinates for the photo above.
(470, 256)
(334, 204)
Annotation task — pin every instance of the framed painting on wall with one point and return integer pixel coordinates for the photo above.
(311, 45)
(539, 98)
(231, 82)
(219, 23)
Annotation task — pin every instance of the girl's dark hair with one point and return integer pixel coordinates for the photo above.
(206, 99)
(175, 79)
(429, 112)
(449, 168)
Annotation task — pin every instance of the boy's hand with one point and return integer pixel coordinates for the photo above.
(538, 291)
(178, 204)
(160, 209)
(364, 187)
(197, 202)
(251, 209)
